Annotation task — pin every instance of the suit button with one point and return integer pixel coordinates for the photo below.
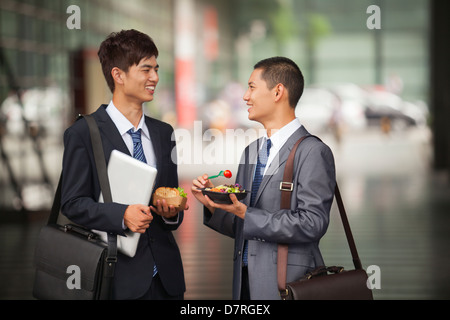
(239, 252)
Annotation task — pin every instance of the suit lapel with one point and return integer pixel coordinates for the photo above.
(156, 142)
(109, 133)
(280, 158)
(249, 166)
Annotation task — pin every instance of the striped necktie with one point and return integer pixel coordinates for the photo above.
(138, 153)
(263, 155)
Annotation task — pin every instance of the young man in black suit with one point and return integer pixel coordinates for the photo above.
(129, 64)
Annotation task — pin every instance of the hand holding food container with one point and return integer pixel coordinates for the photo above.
(173, 196)
(226, 196)
(221, 194)
(167, 202)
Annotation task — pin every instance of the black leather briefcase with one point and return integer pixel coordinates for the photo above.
(70, 264)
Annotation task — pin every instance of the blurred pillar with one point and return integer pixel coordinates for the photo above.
(379, 63)
(310, 52)
(88, 85)
(211, 34)
(440, 81)
(77, 88)
(185, 88)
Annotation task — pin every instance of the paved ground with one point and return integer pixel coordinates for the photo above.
(398, 208)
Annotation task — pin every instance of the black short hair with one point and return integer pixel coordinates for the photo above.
(124, 49)
(285, 71)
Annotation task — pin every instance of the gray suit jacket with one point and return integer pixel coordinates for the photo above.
(265, 225)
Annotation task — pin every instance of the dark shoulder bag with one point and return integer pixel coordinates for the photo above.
(323, 283)
(72, 263)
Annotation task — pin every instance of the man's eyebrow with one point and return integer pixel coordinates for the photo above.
(251, 82)
(149, 66)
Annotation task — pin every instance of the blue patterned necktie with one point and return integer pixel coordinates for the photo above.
(263, 155)
(138, 153)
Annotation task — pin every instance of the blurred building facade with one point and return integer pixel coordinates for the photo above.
(51, 60)
(41, 48)
(330, 41)
(207, 51)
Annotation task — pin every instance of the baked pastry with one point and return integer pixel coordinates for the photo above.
(173, 196)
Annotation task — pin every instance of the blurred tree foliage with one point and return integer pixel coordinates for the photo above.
(285, 19)
(283, 22)
(247, 11)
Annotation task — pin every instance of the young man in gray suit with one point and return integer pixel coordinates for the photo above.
(257, 223)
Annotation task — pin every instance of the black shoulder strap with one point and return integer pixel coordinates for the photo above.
(53, 218)
(100, 162)
(102, 172)
(99, 157)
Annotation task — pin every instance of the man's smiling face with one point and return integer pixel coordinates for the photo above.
(259, 98)
(140, 81)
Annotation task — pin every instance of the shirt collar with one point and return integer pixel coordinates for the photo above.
(123, 124)
(279, 137)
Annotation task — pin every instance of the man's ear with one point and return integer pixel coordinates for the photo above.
(279, 92)
(117, 75)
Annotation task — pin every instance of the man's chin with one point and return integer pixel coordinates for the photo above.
(148, 99)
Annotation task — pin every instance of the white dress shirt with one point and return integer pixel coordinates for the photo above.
(123, 125)
(279, 138)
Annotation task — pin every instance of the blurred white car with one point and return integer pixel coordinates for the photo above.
(384, 104)
(322, 105)
(315, 109)
(353, 101)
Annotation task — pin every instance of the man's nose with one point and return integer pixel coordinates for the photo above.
(246, 96)
(153, 76)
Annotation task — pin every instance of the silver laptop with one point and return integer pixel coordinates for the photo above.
(131, 182)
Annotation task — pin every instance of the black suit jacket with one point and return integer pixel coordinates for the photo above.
(81, 190)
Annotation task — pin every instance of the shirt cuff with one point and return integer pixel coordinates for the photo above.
(173, 220)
